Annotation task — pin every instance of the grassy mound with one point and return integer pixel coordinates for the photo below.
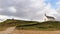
(30, 25)
(48, 25)
(10, 23)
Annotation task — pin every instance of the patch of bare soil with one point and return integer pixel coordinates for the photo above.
(8, 30)
(34, 32)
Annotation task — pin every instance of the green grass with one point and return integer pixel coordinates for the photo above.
(48, 25)
(30, 25)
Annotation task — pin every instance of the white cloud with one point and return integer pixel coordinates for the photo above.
(4, 17)
(28, 9)
(58, 7)
(58, 10)
(37, 3)
(58, 2)
(12, 9)
(49, 10)
(1, 9)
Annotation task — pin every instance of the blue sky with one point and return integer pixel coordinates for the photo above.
(53, 3)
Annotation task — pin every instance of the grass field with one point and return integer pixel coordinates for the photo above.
(30, 25)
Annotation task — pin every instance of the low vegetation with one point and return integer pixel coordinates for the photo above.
(30, 25)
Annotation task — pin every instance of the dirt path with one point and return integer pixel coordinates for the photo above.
(12, 30)
(35, 32)
(7, 31)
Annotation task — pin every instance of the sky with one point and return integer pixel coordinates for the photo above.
(29, 9)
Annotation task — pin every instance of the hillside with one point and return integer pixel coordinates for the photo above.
(48, 25)
(10, 23)
(30, 25)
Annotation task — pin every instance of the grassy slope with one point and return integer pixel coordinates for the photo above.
(30, 25)
(9, 23)
(48, 25)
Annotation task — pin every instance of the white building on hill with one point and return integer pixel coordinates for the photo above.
(49, 18)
